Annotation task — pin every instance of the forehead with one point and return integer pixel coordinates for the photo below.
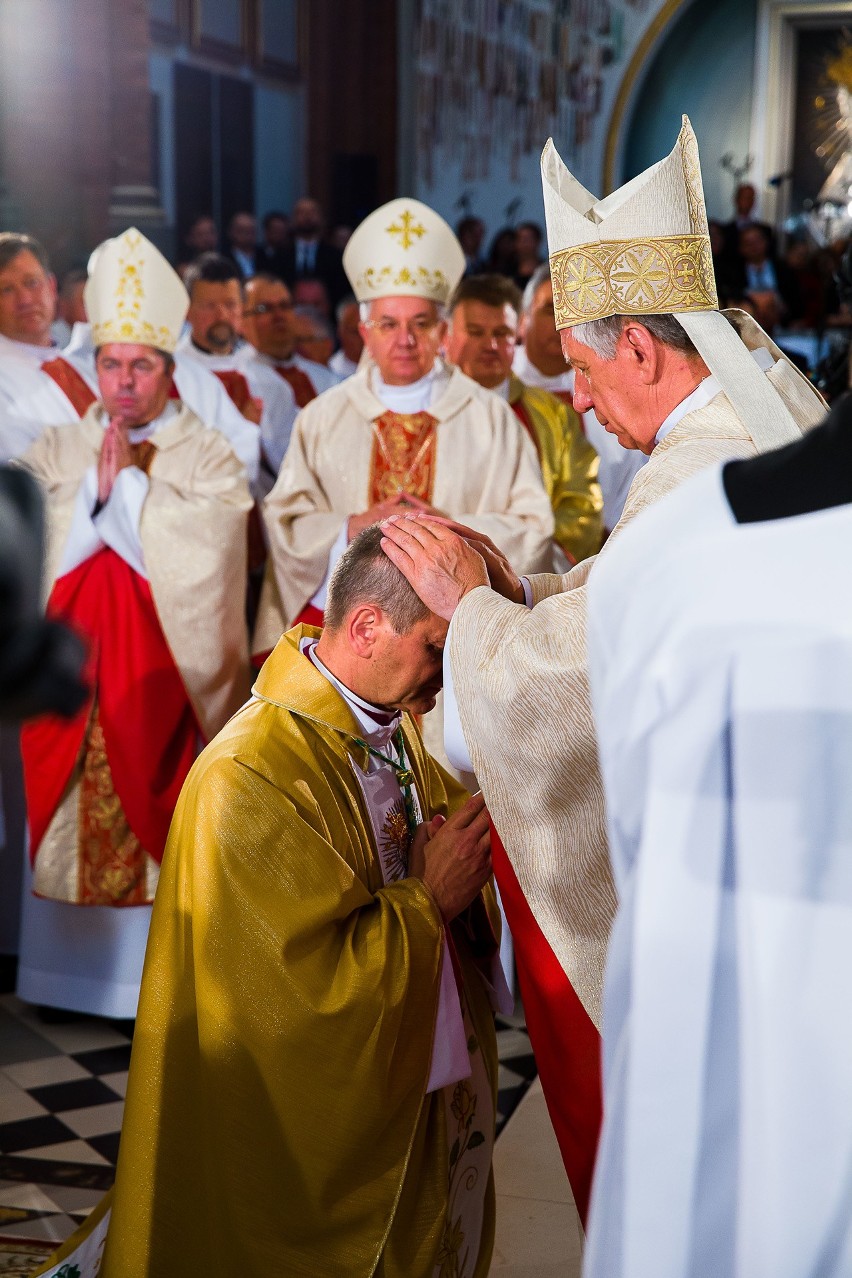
(266, 290)
(215, 290)
(476, 312)
(128, 351)
(402, 307)
(543, 295)
(431, 629)
(24, 263)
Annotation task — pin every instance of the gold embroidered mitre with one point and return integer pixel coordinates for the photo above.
(133, 295)
(403, 249)
(644, 250)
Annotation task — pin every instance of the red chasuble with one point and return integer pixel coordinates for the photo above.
(566, 1044)
(136, 738)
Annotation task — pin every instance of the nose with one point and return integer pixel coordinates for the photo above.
(582, 394)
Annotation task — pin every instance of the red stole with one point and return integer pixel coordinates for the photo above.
(301, 385)
(237, 387)
(566, 1044)
(149, 728)
(72, 384)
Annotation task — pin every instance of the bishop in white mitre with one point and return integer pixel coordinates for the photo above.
(671, 376)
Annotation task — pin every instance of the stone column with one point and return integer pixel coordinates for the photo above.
(133, 200)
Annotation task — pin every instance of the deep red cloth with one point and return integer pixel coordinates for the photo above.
(149, 726)
(72, 384)
(236, 386)
(310, 616)
(566, 1044)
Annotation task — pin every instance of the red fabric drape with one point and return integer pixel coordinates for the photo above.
(149, 726)
(72, 384)
(300, 384)
(236, 386)
(566, 1044)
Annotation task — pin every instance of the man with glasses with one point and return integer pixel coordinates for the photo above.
(269, 329)
(405, 431)
(215, 313)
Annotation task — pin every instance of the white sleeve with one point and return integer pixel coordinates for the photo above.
(118, 519)
(84, 539)
(16, 435)
(276, 424)
(454, 742)
(334, 554)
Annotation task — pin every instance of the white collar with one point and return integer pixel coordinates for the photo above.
(376, 733)
(706, 390)
(138, 433)
(502, 390)
(416, 397)
(80, 341)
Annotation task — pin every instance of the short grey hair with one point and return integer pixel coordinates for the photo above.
(601, 336)
(365, 575)
(534, 283)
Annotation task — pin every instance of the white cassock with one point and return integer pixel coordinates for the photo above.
(279, 404)
(319, 375)
(617, 465)
(342, 366)
(721, 672)
(29, 399)
(198, 388)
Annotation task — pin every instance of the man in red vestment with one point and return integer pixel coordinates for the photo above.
(146, 511)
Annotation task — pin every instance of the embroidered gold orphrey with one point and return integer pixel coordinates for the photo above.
(651, 275)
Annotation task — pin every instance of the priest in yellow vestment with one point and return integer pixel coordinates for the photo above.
(313, 1082)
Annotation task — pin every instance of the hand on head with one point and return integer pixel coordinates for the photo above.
(443, 561)
(453, 857)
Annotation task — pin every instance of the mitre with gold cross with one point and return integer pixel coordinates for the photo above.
(645, 250)
(404, 249)
(133, 296)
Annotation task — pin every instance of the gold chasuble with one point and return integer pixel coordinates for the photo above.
(277, 1120)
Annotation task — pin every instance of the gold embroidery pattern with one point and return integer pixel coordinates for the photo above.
(126, 325)
(633, 277)
(692, 181)
(403, 456)
(382, 279)
(453, 1262)
(395, 842)
(112, 861)
(407, 228)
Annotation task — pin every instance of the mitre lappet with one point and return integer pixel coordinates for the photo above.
(403, 249)
(645, 250)
(133, 296)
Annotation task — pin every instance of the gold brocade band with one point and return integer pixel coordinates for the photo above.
(652, 276)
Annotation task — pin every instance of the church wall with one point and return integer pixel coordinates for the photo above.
(472, 155)
(704, 67)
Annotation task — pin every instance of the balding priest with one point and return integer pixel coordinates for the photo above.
(147, 514)
(669, 375)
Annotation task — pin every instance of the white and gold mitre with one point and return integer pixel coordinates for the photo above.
(403, 249)
(133, 295)
(644, 250)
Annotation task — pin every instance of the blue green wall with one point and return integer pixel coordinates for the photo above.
(703, 68)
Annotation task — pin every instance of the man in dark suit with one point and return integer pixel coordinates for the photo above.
(243, 249)
(308, 256)
(745, 197)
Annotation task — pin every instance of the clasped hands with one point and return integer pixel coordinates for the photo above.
(442, 560)
(116, 454)
(382, 510)
(453, 856)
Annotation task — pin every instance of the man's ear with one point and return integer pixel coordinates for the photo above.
(363, 629)
(641, 351)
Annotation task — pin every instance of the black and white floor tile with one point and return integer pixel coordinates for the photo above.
(62, 1087)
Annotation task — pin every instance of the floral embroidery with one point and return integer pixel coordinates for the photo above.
(395, 842)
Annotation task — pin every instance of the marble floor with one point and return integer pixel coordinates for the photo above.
(62, 1084)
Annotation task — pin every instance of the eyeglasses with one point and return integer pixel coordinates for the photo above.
(270, 308)
(387, 327)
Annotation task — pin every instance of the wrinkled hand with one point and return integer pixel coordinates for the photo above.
(501, 575)
(375, 515)
(455, 855)
(439, 564)
(116, 453)
(417, 851)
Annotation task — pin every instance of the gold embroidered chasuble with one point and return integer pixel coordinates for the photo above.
(193, 536)
(569, 466)
(521, 683)
(481, 467)
(276, 1118)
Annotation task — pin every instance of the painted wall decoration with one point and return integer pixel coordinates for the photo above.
(495, 78)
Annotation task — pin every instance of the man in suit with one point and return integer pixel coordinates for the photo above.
(309, 256)
(243, 249)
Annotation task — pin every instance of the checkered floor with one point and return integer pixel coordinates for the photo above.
(61, 1099)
